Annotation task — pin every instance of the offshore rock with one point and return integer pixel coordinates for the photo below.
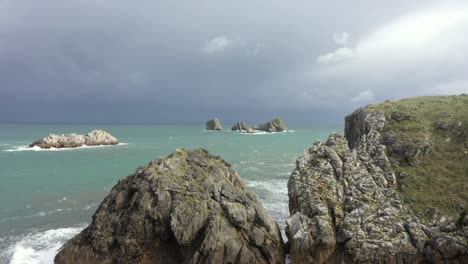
(241, 127)
(214, 124)
(188, 207)
(93, 138)
(275, 125)
(345, 208)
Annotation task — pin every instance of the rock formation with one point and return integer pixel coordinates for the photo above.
(188, 207)
(275, 125)
(214, 124)
(241, 127)
(93, 138)
(345, 207)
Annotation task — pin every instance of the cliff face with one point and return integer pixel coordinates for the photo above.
(188, 207)
(345, 206)
(427, 144)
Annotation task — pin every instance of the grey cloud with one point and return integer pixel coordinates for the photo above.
(151, 61)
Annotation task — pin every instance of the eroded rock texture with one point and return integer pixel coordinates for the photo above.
(188, 207)
(345, 209)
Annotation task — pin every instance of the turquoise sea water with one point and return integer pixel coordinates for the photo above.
(48, 196)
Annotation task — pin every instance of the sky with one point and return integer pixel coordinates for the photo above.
(309, 62)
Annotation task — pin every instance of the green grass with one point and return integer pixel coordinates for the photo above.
(438, 179)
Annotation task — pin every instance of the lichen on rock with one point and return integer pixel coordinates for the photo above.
(188, 207)
(345, 207)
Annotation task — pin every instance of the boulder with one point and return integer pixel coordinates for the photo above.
(188, 207)
(275, 125)
(214, 124)
(241, 127)
(93, 138)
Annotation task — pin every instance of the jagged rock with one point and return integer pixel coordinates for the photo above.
(214, 124)
(93, 138)
(275, 125)
(442, 125)
(345, 208)
(188, 207)
(241, 127)
(400, 116)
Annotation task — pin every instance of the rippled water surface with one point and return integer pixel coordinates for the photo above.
(47, 196)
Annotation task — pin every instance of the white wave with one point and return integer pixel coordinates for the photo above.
(259, 132)
(38, 247)
(43, 213)
(36, 148)
(89, 207)
(277, 187)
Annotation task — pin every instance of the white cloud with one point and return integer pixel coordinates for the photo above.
(342, 38)
(256, 49)
(424, 53)
(341, 54)
(218, 44)
(224, 44)
(451, 87)
(363, 97)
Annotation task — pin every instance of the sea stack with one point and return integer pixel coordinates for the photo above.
(214, 124)
(347, 195)
(93, 138)
(241, 127)
(188, 207)
(275, 125)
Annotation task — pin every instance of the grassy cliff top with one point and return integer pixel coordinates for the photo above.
(427, 142)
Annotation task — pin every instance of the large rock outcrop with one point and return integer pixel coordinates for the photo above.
(345, 208)
(93, 138)
(241, 127)
(188, 207)
(275, 125)
(214, 124)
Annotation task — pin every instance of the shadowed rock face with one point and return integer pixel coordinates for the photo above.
(241, 127)
(188, 207)
(93, 138)
(275, 125)
(214, 124)
(345, 208)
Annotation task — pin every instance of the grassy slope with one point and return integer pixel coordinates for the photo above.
(440, 180)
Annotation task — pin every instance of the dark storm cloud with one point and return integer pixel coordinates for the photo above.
(185, 61)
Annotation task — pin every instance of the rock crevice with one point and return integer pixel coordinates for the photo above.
(188, 207)
(345, 208)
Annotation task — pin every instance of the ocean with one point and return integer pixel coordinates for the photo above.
(48, 196)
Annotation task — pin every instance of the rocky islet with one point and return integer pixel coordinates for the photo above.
(345, 207)
(93, 138)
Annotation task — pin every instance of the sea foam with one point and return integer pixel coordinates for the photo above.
(36, 148)
(37, 247)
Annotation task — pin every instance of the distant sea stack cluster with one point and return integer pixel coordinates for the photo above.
(93, 138)
(392, 189)
(275, 125)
